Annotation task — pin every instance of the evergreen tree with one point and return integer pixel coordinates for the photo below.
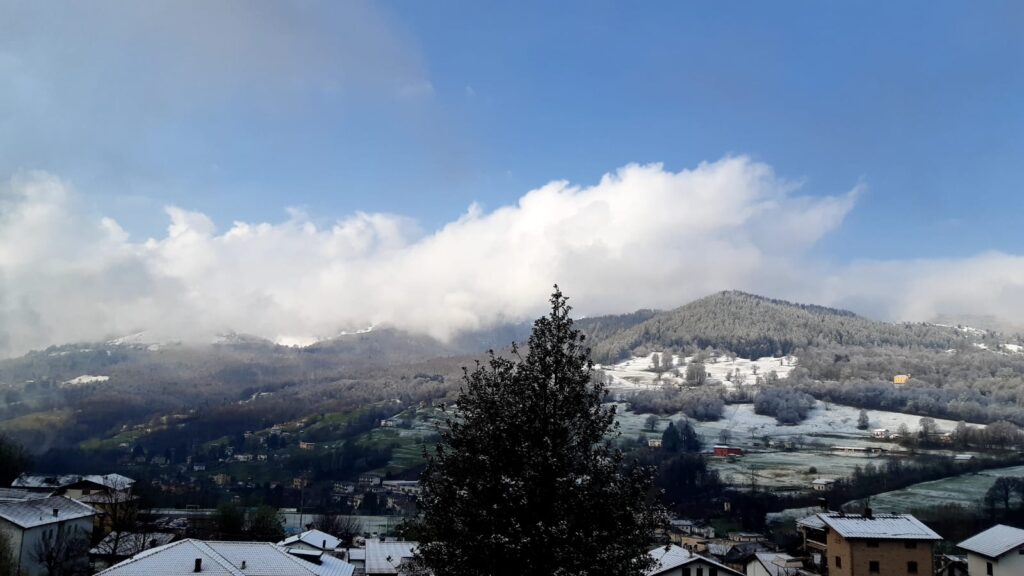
(525, 480)
(266, 525)
(862, 420)
(670, 440)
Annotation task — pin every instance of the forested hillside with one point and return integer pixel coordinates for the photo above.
(753, 326)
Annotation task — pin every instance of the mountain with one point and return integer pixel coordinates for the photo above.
(754, 326)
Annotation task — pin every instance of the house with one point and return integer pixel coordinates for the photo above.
(880, 433)
(228, 559)
(312, 540)
(822, 484)
(654, 442)
(774, 564)
(118, 546)
(41, 523)
(998, 551)
(74, 485)
(722, 451)
(869, 544)
(691, 527)
(307, 445)
(370, 479)
(901, 379)
(963, 457)
(675, 561)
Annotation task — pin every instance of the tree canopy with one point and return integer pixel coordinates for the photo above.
(525, 480)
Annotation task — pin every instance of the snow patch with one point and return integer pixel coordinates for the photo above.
(86, 379)
(637, 373)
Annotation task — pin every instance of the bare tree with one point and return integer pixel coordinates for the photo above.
(120, 508)
(345, 528)
(63, 551)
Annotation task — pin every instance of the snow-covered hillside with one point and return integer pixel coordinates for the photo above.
(638, 371)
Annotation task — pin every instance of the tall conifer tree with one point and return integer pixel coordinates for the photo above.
(525, 480)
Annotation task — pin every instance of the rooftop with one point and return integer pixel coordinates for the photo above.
(314, 538)
(41, 511)
(35, 481)
(995, 541)
(226, 559)
(385, 557)
(878, 526)
(674, 556)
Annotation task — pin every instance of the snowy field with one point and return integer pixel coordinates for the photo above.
(636, 373)
(966, 490)
(814, 437)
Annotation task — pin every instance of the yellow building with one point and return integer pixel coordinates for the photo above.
(900, 378)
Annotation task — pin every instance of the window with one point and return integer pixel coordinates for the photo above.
(839, 562)
(988, 568)
(700, 571)
(910, 545)
(872, 544)
(873, 567)
(686, 571)
(911, 567)
(713, 571)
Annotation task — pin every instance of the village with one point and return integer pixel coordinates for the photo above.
(66, 525)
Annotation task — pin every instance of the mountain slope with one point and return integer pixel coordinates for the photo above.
(754, 326)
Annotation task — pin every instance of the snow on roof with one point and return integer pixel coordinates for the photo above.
(823, 481)
(17, 494)
(40, 511)
(674, 556)
(995, 541)
(225, 559)
(778, 563)
(314, 538)
(385, 557)
(878, 526)
(116, 481)
(130, 543)
(811, 521)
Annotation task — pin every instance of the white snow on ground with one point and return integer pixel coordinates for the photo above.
(296, 341)
(636, 372)
(1014, 347)
(86, 379)
(816, 436)
(965, 490)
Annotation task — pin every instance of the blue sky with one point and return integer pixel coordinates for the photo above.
(919, 100)
(240, 110)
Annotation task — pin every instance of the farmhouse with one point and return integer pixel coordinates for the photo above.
(822, 484)
(880, 433)
(998, 551)
(901, 379)
(868, 544)
(722, 451)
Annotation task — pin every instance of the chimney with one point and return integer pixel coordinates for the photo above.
(867, 512)
(243, 564)
(325, 545)
(199, 565)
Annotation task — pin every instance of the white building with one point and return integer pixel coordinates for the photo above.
(381, 558)
(30, 524)
(228, 559)
(678, 561)
(822, 484)
(313, 540)
(998, 551)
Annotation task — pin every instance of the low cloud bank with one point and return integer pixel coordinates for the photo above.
(641, 237)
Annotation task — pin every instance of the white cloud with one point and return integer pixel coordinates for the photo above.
(641, 237)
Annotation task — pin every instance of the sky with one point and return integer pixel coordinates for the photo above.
(292, 170)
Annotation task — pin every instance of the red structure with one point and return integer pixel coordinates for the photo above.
(723, 451)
